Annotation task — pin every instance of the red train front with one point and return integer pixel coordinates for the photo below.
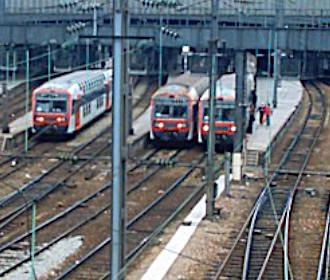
(174, 108)
(224, 112)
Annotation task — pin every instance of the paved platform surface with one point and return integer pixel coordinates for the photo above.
(141, 126)
(289, 96)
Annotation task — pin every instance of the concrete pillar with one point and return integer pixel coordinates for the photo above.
(240, 69)
(2, 10)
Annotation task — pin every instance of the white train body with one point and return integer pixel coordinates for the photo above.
(68, 103)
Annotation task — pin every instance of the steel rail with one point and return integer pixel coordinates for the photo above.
(13, 214)
(19, 210)
(323, 268)
(287, 209)
(272, 178)
(62, 215)
(27, 186)
(250, 236)
(316, 136)
(134, 220)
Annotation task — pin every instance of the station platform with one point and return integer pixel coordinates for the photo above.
(141, 128)
(17, 126)
(289, 96)
(16, 129)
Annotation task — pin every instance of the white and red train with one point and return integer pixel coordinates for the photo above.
(68, 103)
(174, 108)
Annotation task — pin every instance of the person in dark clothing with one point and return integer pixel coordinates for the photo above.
(249, 129)
(254, 97)
(261, 113)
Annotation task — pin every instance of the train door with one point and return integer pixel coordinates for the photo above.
(77, 113)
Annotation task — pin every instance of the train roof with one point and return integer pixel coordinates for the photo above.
(84, 81)
(190, 84)
(225, 88)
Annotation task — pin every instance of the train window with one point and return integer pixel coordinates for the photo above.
(162, 110)
(99, 102)
(179, 111)
(228, 114)
(51, 106)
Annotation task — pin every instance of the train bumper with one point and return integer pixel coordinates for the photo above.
(220, 138)
(168, 136)
(51, 129)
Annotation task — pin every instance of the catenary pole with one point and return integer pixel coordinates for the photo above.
(211, 136)
(94, 19)
(240, 69)
(160, 62)
(5, 127)
(119, 153)
(27, 94)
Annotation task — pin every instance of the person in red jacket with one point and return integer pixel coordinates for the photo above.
(267, 112)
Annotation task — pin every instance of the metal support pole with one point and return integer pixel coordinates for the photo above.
(27, 94)
(275, 71)
(95, 19)
(269, 57)
(160, 64)
(128, 84)
(7, 66)
(5, 127)
(33, 242)
(210, 204)
(279, 6)
(49, 62)
(119, 149)
(2, 10)
(240, 68)
(130, 107)
(14, 65)
(211, 135)
(87, 54)
(227, 173)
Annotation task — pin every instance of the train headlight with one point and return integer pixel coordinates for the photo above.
(40, 119)
(206, 127)
(159, 124)
(181, 125)
(233, 128)
(60, 119)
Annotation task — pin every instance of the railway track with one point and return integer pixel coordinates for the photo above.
(323, 271)
(63, 157)
(91, 213)
(147, 216)
(260, 250)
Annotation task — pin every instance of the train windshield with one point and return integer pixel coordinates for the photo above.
(225, 114)
(51, 103)
(171, 111)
